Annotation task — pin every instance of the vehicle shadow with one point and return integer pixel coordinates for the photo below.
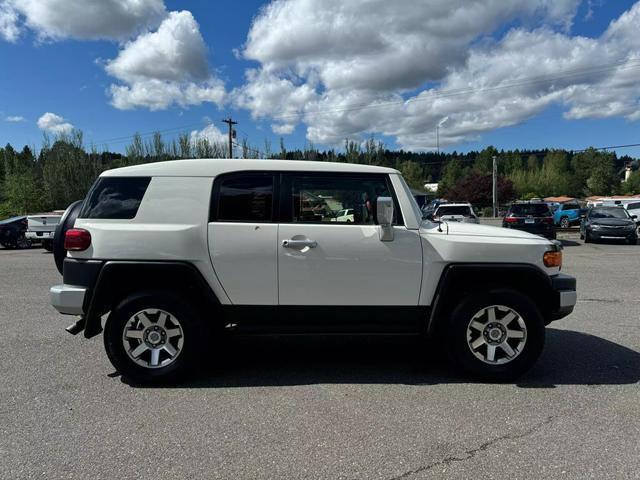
(569, 358)
(570, 243)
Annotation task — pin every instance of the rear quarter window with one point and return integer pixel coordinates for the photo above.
(115, 198)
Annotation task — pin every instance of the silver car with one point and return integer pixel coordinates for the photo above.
(456, 212)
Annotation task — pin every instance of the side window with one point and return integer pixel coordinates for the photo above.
(115, 198)
(243, 198)
(337, 199)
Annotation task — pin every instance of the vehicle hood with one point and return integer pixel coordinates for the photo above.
(475, 229)
(611, 222)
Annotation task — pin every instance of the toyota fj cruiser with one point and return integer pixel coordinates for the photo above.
(159, 254)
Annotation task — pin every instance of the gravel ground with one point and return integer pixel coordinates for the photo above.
(325, 408)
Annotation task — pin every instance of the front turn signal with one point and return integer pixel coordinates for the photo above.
(552, 259)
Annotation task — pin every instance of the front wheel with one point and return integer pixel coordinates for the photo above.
(496, 335)
(564, 222)
(152, 337)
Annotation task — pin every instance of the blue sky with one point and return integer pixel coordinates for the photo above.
(46, 69)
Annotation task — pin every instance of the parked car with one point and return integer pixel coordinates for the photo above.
(455, 212)
(609, 223)
(344, 215)
(41, 228)
(567, 214)
(170, 251)
(532, 217)
(12, 232)
(429, 208)
(633, 208)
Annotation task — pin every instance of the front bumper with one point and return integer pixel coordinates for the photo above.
(68, 299)
(611, 233)
(564, 288)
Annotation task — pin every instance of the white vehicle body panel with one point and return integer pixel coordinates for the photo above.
(170, 225)
(349, 266)
(472, 243)
(246, 261)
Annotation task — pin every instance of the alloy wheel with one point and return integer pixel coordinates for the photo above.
(496, 334)
(153, 338)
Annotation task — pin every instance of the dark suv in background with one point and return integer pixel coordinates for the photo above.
(532, 217)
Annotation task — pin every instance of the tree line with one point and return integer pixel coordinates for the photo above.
(63, 170)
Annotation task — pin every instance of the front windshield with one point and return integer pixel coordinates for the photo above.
(612, 212)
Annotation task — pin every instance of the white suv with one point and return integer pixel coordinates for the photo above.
(174, 250)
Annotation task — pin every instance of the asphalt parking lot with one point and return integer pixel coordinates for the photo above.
(325, 408)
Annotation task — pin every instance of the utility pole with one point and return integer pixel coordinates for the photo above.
(495, 186)
(438, 138)
(232, 134)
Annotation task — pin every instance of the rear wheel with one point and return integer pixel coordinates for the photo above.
(564, 222)
(152, 337)
(48, 245)
(497, 335)
(23, 242)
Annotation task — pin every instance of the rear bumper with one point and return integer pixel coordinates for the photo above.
(39, 235)
(79, 277)
(564, 287)
(545, 230)
(68, 299)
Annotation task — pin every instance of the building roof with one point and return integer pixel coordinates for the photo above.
(210, 167)
(612, 197)
(560, 199)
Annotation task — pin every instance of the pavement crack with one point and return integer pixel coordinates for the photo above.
(471, 453)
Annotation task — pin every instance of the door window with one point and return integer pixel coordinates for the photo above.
(338, 199)
(243, 198)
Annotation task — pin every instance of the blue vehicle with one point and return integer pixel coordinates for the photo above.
(567, 214)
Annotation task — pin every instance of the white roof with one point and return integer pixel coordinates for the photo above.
(210, 167)
(456, 204)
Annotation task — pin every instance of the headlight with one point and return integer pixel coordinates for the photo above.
(630, 227)
(596, 227)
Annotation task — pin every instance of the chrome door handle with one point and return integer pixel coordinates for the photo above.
(299, 243)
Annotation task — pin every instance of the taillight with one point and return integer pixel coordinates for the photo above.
(548, 220)
(77, 239)
(510, 219)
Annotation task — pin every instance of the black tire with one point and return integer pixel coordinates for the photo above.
(119, 319)
(23, 243)
(48, 245)
(564, 222)
(587, 237)
(581, 236)
(66, 222)
(461, 351)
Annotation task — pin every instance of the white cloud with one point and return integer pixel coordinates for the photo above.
(210, 133)
(14, 119)
(165, 67)
(265, 94)
(9, 29)
(52, 123)
(379, 67)
(86, 19)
